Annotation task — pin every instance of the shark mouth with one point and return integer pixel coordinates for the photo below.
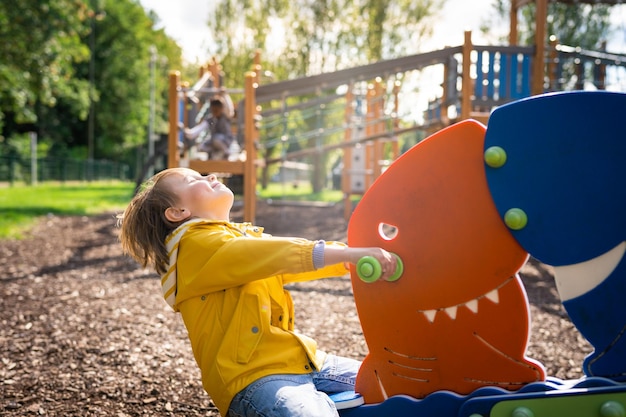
(472, 304)
(578, 279)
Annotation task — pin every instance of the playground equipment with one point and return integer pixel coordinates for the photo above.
(463, 210)
(184, 102)
(448, 337)
(358, 110)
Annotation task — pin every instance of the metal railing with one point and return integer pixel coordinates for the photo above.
(571, 68)
(16, 169)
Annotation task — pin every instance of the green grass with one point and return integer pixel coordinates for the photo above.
(302, 192)
(21, 206)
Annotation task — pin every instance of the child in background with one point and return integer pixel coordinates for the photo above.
(221, 134)
(226, 280)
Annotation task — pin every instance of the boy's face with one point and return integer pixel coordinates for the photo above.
(216, 110)
(201, 195)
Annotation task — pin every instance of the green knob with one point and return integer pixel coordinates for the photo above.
(495, 157)
(522, 412)
(399, 270)
(369, 270)
(515, 218)
(612, 409)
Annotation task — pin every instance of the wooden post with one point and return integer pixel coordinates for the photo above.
(202, 70)
(513, 23)
(256, 66)
(395, 146)
(370, 118)
(172, 140)
(379, 127)
(445, 96)
(249, 177)
(215, 69)
(466, 88)
(541, 19)
(186, 105)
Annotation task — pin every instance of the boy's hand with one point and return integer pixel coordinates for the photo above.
(387, 260)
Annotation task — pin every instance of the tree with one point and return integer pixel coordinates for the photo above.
(41, 44)
(307, 37)
(573, 24)
(579, 25)
(122, 53)
(304, 37)
(62, 58)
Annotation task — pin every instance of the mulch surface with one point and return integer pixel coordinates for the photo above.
(84, 330)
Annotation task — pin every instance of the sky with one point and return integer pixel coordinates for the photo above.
(185, 22)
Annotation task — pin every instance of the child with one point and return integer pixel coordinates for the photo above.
(221, 135)
(226, 279)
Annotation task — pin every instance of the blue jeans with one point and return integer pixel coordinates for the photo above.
(287, 395)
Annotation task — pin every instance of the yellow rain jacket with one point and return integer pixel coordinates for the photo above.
(239, 317)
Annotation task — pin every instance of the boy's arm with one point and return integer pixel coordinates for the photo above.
(335, 258)
(194, 132)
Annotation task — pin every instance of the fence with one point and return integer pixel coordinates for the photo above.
(16, 169)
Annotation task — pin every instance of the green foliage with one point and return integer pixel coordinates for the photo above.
(299, 38)
(302, 37)
(62, 58)
(40, 46)
(573, 24)
(124, 38)
(22, 206)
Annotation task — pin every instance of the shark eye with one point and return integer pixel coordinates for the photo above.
(387, 231)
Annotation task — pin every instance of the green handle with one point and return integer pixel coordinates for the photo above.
(369, 270)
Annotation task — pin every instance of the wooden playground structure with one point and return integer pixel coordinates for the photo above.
(476, 79)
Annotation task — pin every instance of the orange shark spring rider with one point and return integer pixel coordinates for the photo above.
(458, 317)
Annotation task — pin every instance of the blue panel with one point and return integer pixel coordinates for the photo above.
(504, 78)
(566, 168)
(481, 401)
(600, 316)
(181, 115)
(478, 86)
(514, 81)
(491, 75)
(525, 87)
(439, 404)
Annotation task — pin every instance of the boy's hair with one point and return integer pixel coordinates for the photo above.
(216, 102)
(143, 225)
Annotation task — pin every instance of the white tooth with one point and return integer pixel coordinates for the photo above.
(577, 279)
(451, 312)
(472, 305)
(430, 315)
(493, 296)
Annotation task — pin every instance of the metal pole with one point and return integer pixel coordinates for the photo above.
(91, 122)
(33, 158)
(173, 100)
(153, 58)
